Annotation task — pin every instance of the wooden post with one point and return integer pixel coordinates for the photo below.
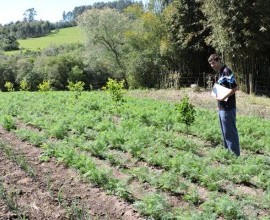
(268, 81)
(251, 86)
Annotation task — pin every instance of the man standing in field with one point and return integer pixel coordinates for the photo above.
(226, 109)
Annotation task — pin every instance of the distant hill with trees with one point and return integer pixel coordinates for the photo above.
(29, 27)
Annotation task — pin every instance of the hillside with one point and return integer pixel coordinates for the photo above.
(63, 36)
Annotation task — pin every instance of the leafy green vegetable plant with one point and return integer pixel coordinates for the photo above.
(192, 196)
(224, 206)
(20, 160)
(9, 122)
(153, 205)
(10, 199)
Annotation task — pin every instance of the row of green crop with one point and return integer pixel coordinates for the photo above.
(170, 180)
(254, 132)
(147, 129)
(147, 137)
(175, 161)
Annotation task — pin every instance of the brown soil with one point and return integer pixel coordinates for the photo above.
(55, 192)
(31, 196)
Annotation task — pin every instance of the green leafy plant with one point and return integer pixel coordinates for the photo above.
(186, 112)
(24, 85)
(153, 205)
(60, 198)
(9, 86)
(192, 196)
(44, 86)
(76, 87)
(224, 206)
(142, 173)
(116, 90)
(10, 198)
(34, 138)
(9, 122)
(59, 131)
(171, 181)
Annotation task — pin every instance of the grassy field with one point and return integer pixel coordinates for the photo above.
(64, 36)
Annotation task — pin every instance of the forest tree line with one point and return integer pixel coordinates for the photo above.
(157, 45)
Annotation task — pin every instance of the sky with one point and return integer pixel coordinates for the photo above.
(51, 10)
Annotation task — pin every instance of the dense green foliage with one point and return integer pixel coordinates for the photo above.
(105, 39)
(164, 44)
(119, 5)
(187, 33)
(8, 42)
(186, 112)
(240, 32)
(26, 29)
(137, 142)
(116, 91)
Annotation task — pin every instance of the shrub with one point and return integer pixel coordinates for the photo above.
(24, 85)
(9, 86)
(45, 86)
(186, 112)
(76, 87)
(116, 90)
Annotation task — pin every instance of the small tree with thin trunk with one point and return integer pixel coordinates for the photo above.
(105, 39)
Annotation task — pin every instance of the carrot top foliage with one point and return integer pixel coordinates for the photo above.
(137, 142)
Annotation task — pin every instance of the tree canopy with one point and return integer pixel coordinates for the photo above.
(160, 44)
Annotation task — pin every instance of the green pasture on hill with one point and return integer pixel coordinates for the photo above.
(63, 36)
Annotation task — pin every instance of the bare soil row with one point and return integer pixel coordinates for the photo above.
(55, 192)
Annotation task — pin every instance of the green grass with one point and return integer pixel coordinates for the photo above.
(64, 36)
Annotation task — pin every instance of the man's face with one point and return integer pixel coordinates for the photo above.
(215, 64)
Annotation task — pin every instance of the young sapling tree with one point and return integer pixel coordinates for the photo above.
(76, 87)
(186, 112)
(116, 91)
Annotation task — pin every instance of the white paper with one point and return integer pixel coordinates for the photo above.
(220, 92)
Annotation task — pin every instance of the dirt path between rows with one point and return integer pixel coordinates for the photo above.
(25, 196)
(56, 192)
